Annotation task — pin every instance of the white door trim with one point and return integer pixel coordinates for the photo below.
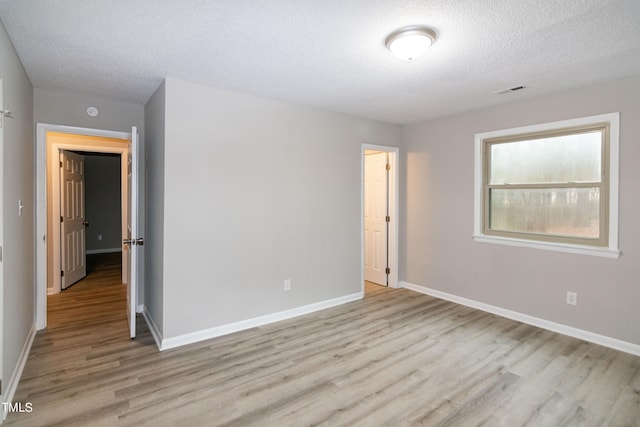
(41, 201)
(394, 175)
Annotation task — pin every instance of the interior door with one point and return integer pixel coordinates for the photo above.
(72, 241)
(133, 240)
(375, 217)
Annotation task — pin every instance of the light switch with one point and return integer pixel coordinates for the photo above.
(20, 207)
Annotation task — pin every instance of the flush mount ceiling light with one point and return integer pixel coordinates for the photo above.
(409, 43)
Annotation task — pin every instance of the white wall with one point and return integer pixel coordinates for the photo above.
(18, 184)
(258, 191)
(155, 206)
(437, 250)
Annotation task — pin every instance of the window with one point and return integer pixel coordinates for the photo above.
(551, 186)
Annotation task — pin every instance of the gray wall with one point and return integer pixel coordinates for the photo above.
(154, 238)
(17, 184)
(69, 108)
(437, 250)
(103, 203)
(258, 191)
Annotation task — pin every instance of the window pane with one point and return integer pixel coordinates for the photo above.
(573, 212)
(567, 158)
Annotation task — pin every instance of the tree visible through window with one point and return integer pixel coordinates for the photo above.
(549, 185)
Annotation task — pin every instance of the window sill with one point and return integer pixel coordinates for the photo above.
(556, 247)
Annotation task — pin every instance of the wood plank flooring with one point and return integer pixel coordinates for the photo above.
(395, 358)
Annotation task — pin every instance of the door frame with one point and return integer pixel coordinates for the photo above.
(41, 199)
(55, 198)
(394, 210)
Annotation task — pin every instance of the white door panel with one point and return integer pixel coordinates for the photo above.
(375, 213)
(73, 223)
(133, 240)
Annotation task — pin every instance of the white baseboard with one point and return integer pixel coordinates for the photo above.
(217, 331)
(102, 251)
(603, 340)
(157, 336)
(12, 385)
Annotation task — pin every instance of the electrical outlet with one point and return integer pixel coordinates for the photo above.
(572, 298)
(287, 284)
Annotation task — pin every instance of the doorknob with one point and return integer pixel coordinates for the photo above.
(85, 223)
(139, 241)
(128, 241)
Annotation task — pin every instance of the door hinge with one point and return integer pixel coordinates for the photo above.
(0, 261)
(0, 387)
(61, 219)
(387, 270)
(387, 218)
(61, 273)
(388, 166)
(60, 164)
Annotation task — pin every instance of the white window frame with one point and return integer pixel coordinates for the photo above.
(609, 251)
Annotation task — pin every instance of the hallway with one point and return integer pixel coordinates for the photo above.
(68, 375)
(99, 297)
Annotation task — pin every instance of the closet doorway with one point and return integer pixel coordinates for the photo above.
(380, 215)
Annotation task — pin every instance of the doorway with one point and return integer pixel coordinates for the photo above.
(51, 139)
(91, 212)
(379, 215)
(57, 145)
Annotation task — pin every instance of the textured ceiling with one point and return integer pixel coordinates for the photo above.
(328, 54)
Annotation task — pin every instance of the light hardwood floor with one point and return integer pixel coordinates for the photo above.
(394, 358)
